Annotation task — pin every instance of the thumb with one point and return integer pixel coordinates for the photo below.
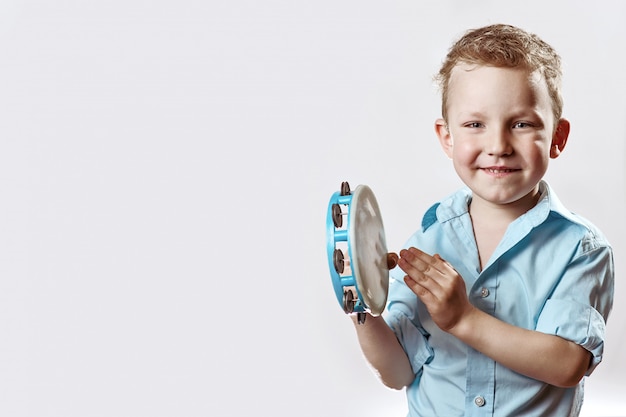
(392, 260)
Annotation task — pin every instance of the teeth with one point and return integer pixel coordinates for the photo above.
(497, 171)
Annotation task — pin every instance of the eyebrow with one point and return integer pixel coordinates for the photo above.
(471, 115)
(513, 114)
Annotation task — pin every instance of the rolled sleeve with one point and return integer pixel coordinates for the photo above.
(576, 322)
(401, 318)
(581, 303)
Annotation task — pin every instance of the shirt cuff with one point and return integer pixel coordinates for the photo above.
(579, 323)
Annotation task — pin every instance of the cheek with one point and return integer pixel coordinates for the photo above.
(539, 153)
(464, 153)
(463, 163)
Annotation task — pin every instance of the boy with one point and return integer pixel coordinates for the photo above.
(507, 316)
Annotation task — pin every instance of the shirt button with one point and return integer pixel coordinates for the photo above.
(484, 292)
(479, 401)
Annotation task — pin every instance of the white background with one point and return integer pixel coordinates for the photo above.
(165, 168)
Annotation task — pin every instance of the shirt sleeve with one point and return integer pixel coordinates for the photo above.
(402, 318)
(581, 302)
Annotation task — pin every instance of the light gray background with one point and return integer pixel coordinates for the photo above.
(165, 168)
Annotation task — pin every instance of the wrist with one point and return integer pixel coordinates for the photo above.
(467, 326)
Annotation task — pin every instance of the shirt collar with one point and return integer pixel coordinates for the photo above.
(457, 205)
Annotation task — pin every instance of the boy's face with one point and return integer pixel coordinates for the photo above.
(500, 132)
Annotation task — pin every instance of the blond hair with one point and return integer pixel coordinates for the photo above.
(504, 46)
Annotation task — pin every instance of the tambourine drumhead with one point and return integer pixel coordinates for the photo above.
(368, 249)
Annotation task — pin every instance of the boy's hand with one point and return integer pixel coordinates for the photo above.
(438, 285)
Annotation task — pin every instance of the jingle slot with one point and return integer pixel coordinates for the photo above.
(348, 301)
(338, 261)
(345, 188)
(337, 216)
(341, 259)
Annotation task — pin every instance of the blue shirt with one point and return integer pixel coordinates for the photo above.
(552, 272)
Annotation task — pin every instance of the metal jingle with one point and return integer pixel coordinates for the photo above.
(345, 188)
(348, 302)
(338, 261)
(337, 216)
(360, 317)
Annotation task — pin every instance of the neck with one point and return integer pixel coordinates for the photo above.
(503, 213)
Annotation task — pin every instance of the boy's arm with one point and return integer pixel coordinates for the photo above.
(541, 356)
(383, 352)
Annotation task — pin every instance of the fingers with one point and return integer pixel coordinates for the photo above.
(422, 263)
(437, 284)
(429, 272)
(422, 292)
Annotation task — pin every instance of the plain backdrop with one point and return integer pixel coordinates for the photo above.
(165, 169)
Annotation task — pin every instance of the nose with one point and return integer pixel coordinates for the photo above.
(499, 143)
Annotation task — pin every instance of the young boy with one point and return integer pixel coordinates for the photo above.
(499, 302)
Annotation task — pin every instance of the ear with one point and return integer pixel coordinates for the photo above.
(559, 138)
(445, 138)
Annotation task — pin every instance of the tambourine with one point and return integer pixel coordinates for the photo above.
(357, 251)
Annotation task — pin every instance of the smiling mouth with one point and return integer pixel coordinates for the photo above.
(499, 171)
